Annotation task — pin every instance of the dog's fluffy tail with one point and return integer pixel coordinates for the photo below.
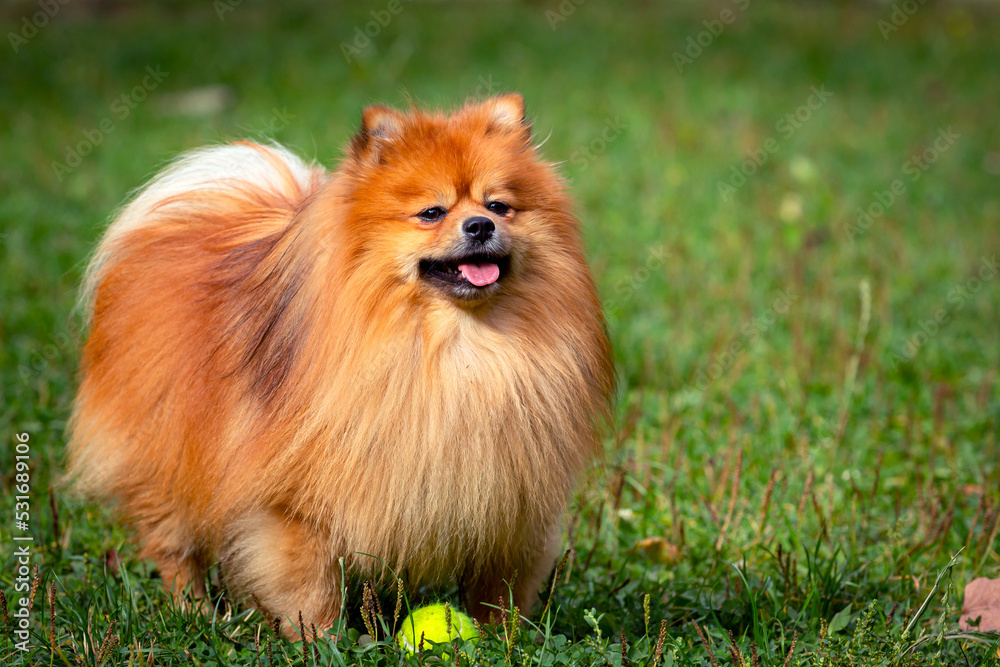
(194, 245)
(242, 168)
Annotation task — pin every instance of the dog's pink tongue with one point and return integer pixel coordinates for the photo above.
(480, 275)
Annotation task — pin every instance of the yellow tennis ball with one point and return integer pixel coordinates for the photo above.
(431, 622)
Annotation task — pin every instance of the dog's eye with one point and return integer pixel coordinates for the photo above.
(432, 214)
(497, 207)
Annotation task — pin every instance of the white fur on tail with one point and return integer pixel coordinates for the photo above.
(216, 168)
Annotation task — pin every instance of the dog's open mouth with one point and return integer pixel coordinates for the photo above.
(467, 276)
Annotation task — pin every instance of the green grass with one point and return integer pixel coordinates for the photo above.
(805, 491)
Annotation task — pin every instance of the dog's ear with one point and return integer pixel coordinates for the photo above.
(507, 109)
(380, 125)
(507, 112)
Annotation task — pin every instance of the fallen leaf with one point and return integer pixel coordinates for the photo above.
(659, 550)
(982, 600)
(113, 561)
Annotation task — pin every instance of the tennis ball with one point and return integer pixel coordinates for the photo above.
(431, 622)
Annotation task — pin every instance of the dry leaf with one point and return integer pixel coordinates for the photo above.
(113, 561)
(982, 599)
(659, 550)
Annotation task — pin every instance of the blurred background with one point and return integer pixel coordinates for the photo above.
(792, 211)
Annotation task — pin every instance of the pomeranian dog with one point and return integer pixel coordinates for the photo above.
(305, 375)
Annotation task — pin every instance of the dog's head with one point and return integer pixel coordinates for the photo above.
(459, 208)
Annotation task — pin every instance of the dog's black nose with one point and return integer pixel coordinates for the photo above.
(479, 228)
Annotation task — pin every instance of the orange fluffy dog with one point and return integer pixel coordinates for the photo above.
(404, 358)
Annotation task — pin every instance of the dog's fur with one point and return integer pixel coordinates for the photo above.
(270, 383)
